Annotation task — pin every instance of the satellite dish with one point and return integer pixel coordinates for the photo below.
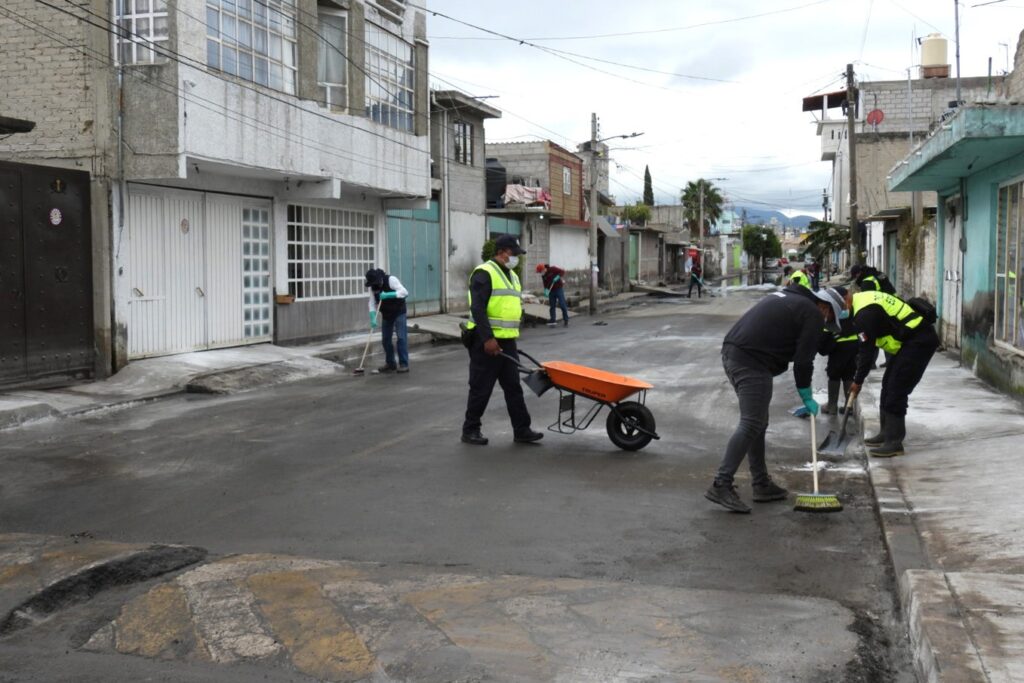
(875, 117)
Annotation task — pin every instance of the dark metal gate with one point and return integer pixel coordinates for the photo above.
(46, 325)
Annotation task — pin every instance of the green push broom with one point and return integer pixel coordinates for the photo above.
(817, 501)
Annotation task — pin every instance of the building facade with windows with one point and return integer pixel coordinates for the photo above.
(974, 162)
(243, 156)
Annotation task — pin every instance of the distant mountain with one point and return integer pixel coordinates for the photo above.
(764, 216)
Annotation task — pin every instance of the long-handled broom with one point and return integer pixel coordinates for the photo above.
(369, 337)
(817, 501)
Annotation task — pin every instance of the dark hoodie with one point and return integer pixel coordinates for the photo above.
(782, 328)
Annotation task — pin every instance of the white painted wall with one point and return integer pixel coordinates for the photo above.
(467, 232)
(876, 245)
(569, 248)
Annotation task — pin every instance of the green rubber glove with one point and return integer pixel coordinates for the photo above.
(547, 292)
(807, 396)
(388, 295)
(373, 319)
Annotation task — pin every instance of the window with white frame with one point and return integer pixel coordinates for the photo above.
(332, 59)
(142, 25)
(390, 79)
(254, 40)
(1009, 314)
(464, 142)
(566, 180)
(329, 252)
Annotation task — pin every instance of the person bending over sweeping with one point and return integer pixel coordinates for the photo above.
(841, 350)
(782, 328)
(891, 324)
(387, 292)
(554, 289)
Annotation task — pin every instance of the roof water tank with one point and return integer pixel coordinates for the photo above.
(934, 50)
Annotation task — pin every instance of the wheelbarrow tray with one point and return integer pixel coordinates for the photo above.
(600, 385)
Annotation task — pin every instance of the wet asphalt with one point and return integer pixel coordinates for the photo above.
(370, 469)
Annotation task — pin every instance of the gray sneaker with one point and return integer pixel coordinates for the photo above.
(727, 497)
(767, 493)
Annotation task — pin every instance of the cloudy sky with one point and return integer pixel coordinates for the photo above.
(715, 88)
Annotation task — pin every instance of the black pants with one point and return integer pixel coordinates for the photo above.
(694, 281)
(906, 368)
(484, 371)
(842, 361)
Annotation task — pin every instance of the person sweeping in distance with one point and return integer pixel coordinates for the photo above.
(908, 336)
(782, 328)
(554, 289)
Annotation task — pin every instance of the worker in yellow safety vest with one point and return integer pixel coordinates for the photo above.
(885, 321)
(840, 347)
(496, 310)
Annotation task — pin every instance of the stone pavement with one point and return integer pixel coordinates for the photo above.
(952, 515)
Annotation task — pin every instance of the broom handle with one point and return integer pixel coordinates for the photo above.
(814, 453)
(369, 338)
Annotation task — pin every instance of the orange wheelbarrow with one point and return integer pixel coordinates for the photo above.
(630, 424)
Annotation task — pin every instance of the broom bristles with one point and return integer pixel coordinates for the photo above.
(818, 502)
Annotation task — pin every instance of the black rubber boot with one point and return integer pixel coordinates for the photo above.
(895, 430)
(879, 438)
(832, 406)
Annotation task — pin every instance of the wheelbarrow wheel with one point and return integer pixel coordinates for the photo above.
(622, 425)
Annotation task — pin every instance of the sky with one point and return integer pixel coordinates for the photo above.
(718, 100)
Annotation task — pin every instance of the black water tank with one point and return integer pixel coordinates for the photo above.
(497, 179)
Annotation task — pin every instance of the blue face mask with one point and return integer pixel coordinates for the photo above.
(844, 314)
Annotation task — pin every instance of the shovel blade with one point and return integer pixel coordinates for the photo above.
(834, 444)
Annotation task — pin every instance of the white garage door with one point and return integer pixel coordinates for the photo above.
(199, 271)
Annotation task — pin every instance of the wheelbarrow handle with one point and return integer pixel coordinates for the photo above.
(523, 368)
(531, 358)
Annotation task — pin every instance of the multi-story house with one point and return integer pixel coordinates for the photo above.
(974, 162)
(544, 203)
(242, 156)
(890, 115)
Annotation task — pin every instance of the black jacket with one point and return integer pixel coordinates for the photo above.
(782, 328)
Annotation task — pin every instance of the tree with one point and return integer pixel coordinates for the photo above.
(761, 242)
(638, 213)
(691, 205)
(648, 187)
(825, 237)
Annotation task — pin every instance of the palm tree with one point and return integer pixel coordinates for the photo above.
(823, 238)
(691, 199)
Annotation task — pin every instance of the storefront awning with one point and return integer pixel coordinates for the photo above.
(977, 137)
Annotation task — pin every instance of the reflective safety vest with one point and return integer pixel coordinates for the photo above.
(906, 317)
(505, 307)
(800, 278)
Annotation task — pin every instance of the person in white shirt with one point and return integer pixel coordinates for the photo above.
(388, 296)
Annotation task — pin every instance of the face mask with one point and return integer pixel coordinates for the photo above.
(512, 262)
(844, 314)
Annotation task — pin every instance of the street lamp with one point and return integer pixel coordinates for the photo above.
(593, 207)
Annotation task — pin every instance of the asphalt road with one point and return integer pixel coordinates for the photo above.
(370, 470)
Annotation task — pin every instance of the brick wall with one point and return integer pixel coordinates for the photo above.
(927, 101)
(1015, 86)
(48, 82)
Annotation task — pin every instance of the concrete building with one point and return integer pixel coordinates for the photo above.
(241, 191)
(889, 116)
(974, 162)
(457, 144)
(544, 200)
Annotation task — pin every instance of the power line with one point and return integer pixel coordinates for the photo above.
(650, 31)
(569, 56)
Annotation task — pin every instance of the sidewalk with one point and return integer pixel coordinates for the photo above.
(951, 513)
(216, 371)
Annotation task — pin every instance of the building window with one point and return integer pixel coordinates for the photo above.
(142, 25)
(566, 180)
(254, 40)
(464, 143)
(329, 252)
(390, 79)
(332, 59)
(1009, 318)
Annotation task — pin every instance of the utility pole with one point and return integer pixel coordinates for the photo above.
(851, 122)
(956, 21)
(593, 214)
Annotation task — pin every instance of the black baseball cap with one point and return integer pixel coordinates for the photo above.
(508, 242)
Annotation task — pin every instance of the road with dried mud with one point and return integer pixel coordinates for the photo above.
(336, 529)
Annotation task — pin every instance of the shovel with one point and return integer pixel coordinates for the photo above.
(836, 442)
(536, 379)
